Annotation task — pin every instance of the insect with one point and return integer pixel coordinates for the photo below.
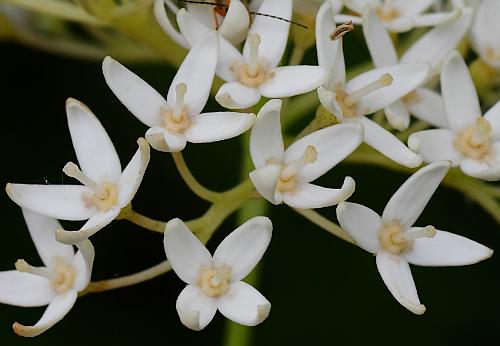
(221, 8)
(341, 30)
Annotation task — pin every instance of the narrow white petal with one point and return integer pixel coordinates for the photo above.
(64, 202)
(132, 174)
(405, 79)
(327, 99)
(163, 140)
(378, 40)
(163, 20)
(325, 25)
(435, 145)
(243, 304)
(488, 169)
(235, 25)
(459, 94)
(358, 5)
(265, 180)
(190, 26)
(23, 289)
(234, 95)
(57, 309)
(185, 253)
(310, 196)
(397, 115)
(344, 18)
(428, 105)
(389, 145)
(293, 80)
(410, 199)
(486, 27)
(243, 248)
(412, 8)
(203, 14)
(197, 72)
(195, 308)
(396, 274)
(93, 225)
(138, 96)
(362, 224)
(400, 25)
(83, 263)
(266, 141)
(273, 33)
(42, 230)
(333, 144)
(212, 127)
(446, 249)
(493, 117)
(433, 19)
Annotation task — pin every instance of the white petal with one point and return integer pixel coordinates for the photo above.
(243, 248)
(401, 24)
(83, 263)
(138, 96)
(212, 127)
(433, 19)
(235, 25)
(266, 141)
(265, 180)
(486, 27)
(190, 26)
(446, 249)
(405, 79)
(362, 224)
(412, 8)
(273, 33)
(163, 140)
(459, 94)
(132, 174)
(327, 99)
(95, 152)
(378, 40)
(358, 5)
(389, 145)
(293, 80)
(195, 308)
(344, 18)
(197, 72)
(93, 225)
(234, 95)
(185, 253)
(64, 202)
(57, 309)
(333, 144)
(433, 47)
(43, 233)
(243, 304)
(486, 169)
(309, 196)
(325, 25)
(410, 199)
(396, 274)
(493, 117)
(428, 105)
(163, 20)
(435, 145)
(397, 115)
(203, 14)
(23, 289)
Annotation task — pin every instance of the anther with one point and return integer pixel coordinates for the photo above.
(426, 232)
(310, 155)
(482, 132)
(384, 81)
(180, 92)
(253, 63)
(72, 170)
(23, 267)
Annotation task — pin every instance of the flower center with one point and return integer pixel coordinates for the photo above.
(104, 197)
(411, 97)
(394, 240)
(214, 282)
(475, 141)
(62, 278)
(492, 54)
(348, 102)
(177, 119)
(252, 74)
(387, 12)
(287, 181)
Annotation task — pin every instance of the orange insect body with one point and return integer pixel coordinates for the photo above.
(222, 7)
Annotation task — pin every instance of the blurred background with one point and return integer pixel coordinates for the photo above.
(323, 291)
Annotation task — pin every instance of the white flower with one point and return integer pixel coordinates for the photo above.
(485, 32)
(231, 21)
(176, 120)
(471, 141)
(255, 73)
(396, 242)
(105, 190)
(366, 93)
(215, 282)
(431, 48)
(399, 15)
(285, 176)
(56, 284)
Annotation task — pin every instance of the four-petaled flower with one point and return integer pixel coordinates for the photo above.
(215, 282)
(56, 284)
(396, 242)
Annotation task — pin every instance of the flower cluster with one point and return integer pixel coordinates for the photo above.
(284, 168)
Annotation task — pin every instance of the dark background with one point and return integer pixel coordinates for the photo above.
(323, 291)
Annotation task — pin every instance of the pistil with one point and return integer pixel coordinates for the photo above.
(23, 267)
(73, 171)
(253, 63)
(180, 92)
(426, 232)
(384, 81)
(287, 181)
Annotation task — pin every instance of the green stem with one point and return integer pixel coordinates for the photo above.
(324, 223)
